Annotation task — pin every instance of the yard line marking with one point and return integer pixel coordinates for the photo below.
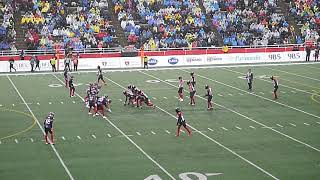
(93, 136)
(238, 127)
(138, 133)
(242, 115)
(52, 146)
(63, 138)
(153, 132)
(213, 174)
(307, 77)
(31, 139)
(210, 129)
(292, 124)
(109, 135)
(254, 127)
(168, 132)
(220, 95)
(211, 139)
(165, 97)
(61, 102)
(262, 97)
(224, 128)
(38, 103)
(129, 139)
(50, 102)
(306, 124)
(120, 100)
(279, 125)
(16, 140)
(230, 94)
(79, 137)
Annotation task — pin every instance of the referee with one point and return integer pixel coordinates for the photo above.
(249, 77)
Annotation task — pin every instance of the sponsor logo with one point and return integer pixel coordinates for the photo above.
(152, 61)
(213, 58)
(274, 56)
(127, 63)
(193, 59)
(248, 58)
(173, 60)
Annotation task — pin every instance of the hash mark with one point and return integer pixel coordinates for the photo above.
(108, 135)
(154, 98)
(79, 137)
(283, 92)
(0, 142)
(13, 105)
(210, 129)
(50, 102)
(220, 95)
(167, 131)
(261, 92)
(279, 125)
(230, 94)
(318, 122)
(238, 127)
(240, 94)
(138, 133)
(38, 103)
(73, 102)
(306, 124)
(293, 91)
(31, 139)
(224, 128)
(153, 132)
(120, 100)
(165, 97)
(16, 140)
(61, 102)
(292, 124)
(63, 138)
(252, 127)
(93, 136)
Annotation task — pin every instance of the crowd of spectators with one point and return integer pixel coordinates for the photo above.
(307, 14)
(250, 22)
(60, 23)
(7, 31)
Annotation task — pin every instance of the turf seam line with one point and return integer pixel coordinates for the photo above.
(216, 142)
(52, 146)
(129, 139)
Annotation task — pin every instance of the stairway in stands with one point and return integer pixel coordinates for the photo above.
(122, 39)
(210, 25)
(20, 36)
(283, 8)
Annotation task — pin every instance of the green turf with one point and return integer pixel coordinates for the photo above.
(234, 138)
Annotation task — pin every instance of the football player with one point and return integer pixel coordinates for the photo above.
(181, 122)
(48, 127)
(192, 91)
(71, 87)
(92, 103)
(180, 88)
(209, 97)
(100, 75)
(275, 86)
(66, 77)
(249, 78)
(193, 79)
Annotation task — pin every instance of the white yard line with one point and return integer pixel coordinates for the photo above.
(292, 124)
(224, 128)
(244, 116)
(238, 127)
(279, 125)
(130, 140)
(307, 77)
(210, 129)
(37, 121)
(211, 139)
(255, 128)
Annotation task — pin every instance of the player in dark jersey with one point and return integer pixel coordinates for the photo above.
(192, 91)
(275, 86)
(249, 78)
(181, 122)
(71, 87)
(143, 98)
(209, 97)
(101, 103)
(193, 79)
(48, 127)
(66, 77)
(92, 103)
(180, 88)
(100, 75)
(108, 103)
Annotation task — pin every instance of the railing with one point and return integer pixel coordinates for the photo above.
(130, 48)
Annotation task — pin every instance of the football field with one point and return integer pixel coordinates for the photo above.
(246, 136)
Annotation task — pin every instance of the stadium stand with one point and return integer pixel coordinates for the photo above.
(7, 31)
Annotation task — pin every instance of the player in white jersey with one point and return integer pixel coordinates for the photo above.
(209, 97)
(275, 83)
(180, 88)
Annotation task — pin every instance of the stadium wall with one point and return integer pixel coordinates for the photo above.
(159, 59)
